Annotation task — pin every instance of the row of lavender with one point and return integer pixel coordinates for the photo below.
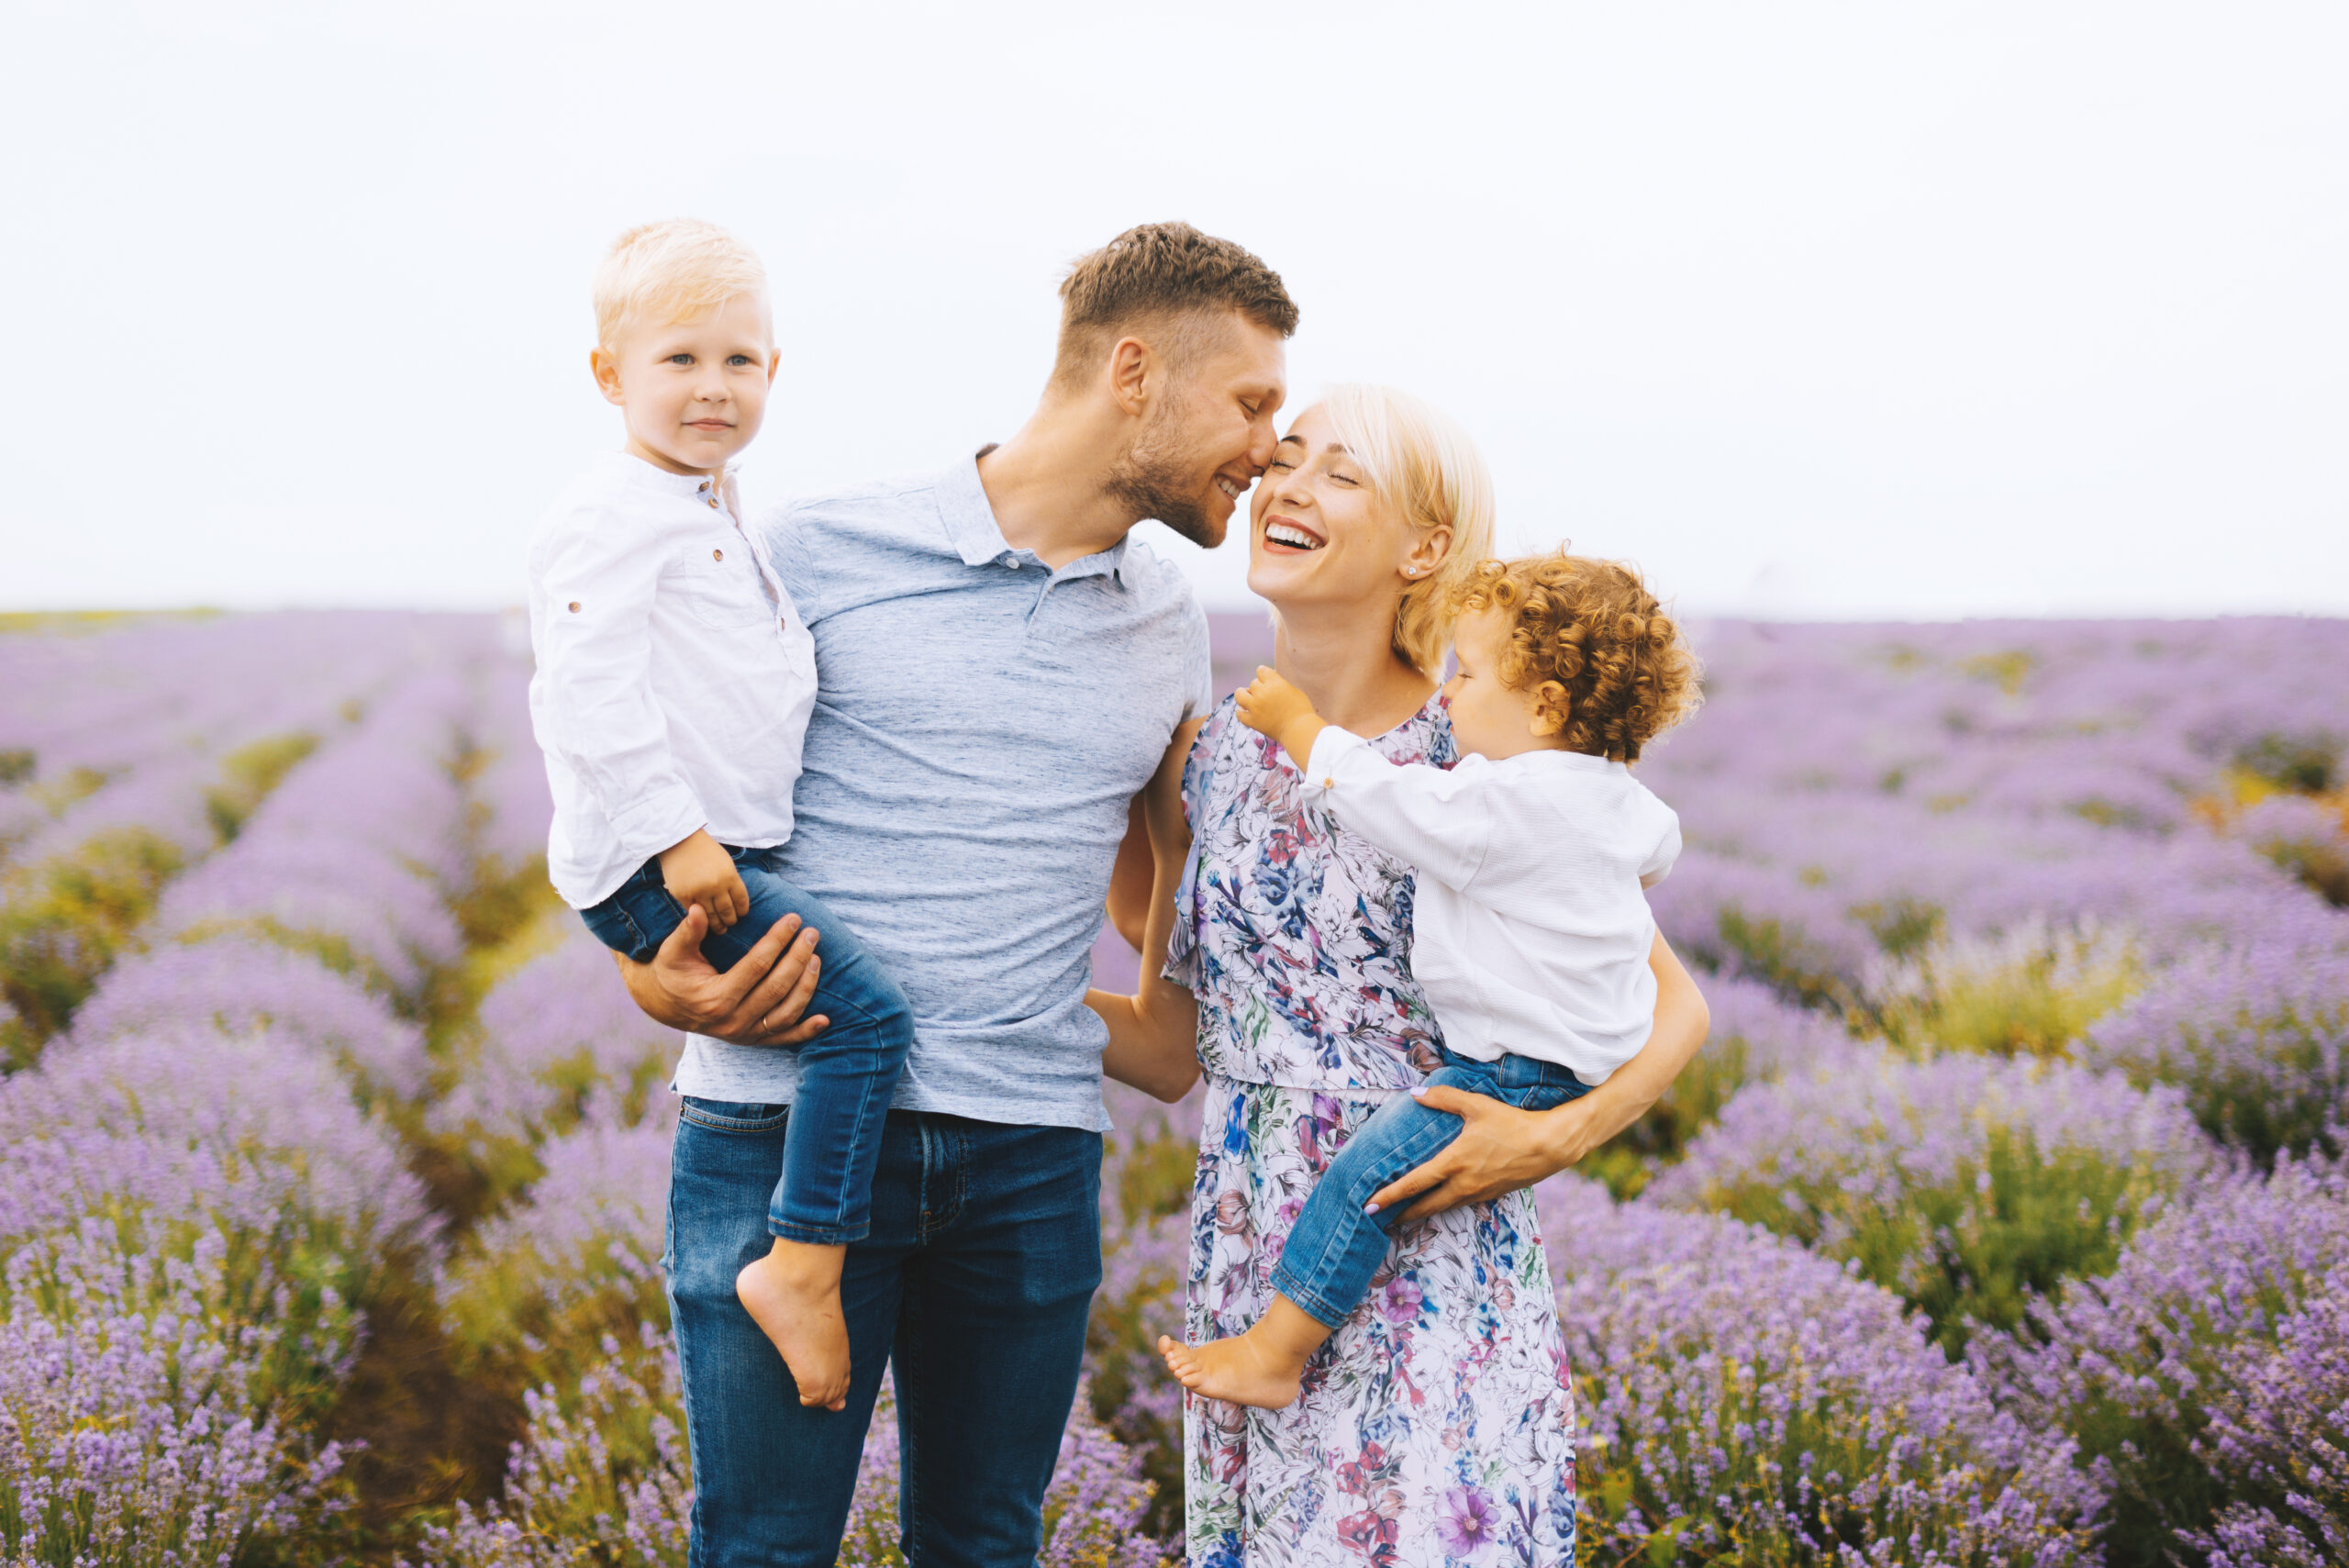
(2032, 1019)
(209, 1181)
(2030, 1015)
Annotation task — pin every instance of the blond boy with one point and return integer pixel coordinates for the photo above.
(674, 686)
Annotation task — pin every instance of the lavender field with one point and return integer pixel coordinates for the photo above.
(2000, 1222)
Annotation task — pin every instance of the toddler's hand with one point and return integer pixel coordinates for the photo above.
(1269, 705)
(698, 869)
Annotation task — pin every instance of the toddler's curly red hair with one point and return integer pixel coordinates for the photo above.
(1611, 668)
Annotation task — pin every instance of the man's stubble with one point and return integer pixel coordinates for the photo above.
(1148, 481)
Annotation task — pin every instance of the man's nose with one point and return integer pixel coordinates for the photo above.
(1261, 444)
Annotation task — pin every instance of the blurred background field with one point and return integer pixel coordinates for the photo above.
(2000, 1221)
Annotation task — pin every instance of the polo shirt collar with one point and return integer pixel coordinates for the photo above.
(978, 537)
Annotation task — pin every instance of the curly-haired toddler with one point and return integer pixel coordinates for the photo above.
(1530, 932)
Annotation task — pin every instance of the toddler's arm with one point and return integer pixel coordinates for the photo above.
(596, 578)
(698, 869)
(1270, 706)
(1425, 816)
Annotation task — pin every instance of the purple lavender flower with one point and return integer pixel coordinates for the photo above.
(1738, 1391)
(2257, 1035)
(2140, 1369)
(601, 1474)
(238, 985)
(554, 1031)
(2279, 1439)
(1961, 1183)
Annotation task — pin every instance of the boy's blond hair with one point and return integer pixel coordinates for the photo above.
(671, 272)
(1610, 665)
(1422, 464)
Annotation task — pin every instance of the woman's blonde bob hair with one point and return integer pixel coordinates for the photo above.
(1422, 464)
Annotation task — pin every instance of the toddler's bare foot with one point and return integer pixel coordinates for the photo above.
(794, 1294)
(1243, 1370)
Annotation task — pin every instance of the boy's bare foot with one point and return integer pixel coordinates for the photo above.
(1240, 1369)
(794, 1294)
(1261, 1367)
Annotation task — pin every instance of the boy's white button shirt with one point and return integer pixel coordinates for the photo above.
(1530, 931)
(674, 679)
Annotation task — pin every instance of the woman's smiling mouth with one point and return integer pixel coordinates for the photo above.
(1290, 535)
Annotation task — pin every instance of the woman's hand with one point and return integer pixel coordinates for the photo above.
(757, 1002)
(1153, 1034)
(1502, 1149)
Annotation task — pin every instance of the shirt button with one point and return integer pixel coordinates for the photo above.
(1328, 783)
(717, 555)
(574, 606)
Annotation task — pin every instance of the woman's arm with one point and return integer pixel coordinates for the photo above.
(1503, 1149)
(1153, 1034)
(1130, 879)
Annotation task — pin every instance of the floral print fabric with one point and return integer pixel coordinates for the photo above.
(1436, 1426)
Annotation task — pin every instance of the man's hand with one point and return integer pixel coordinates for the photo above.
(1500, 1150)
(758, 1002)
(698, 869)
(1270, 706)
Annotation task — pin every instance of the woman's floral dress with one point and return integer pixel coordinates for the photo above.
(1437, 1424)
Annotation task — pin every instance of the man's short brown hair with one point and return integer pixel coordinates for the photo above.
(1158, 272)
(1592, 629)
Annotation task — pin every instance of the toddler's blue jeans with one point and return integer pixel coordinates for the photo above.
(847, 1074)
(1334, 1248)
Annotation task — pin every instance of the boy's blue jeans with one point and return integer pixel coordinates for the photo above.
(847, 1074)
(1334, 1248)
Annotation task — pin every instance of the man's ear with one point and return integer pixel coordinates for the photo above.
(1130, 364)
(606, 371)
(1549, 708)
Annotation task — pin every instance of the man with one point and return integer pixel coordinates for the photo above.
(1000, 672)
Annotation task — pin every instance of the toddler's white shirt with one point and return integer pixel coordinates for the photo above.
(1530, 931)
(674, 678)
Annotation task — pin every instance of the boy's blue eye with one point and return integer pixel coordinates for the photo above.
(738, 359)
(680, 358)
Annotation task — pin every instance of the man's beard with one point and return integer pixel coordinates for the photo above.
(1146, 482)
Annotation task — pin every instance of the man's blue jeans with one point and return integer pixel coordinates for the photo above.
(1334, 1248)
(976, 1282)
(847, 1074)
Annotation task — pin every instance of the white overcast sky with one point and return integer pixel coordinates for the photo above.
(1815, 310)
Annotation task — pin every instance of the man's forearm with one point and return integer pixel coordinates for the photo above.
(644, 990)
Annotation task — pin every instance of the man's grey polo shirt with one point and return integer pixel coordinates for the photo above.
(980, 723)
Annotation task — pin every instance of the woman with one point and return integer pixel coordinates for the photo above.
(1437, 1424)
